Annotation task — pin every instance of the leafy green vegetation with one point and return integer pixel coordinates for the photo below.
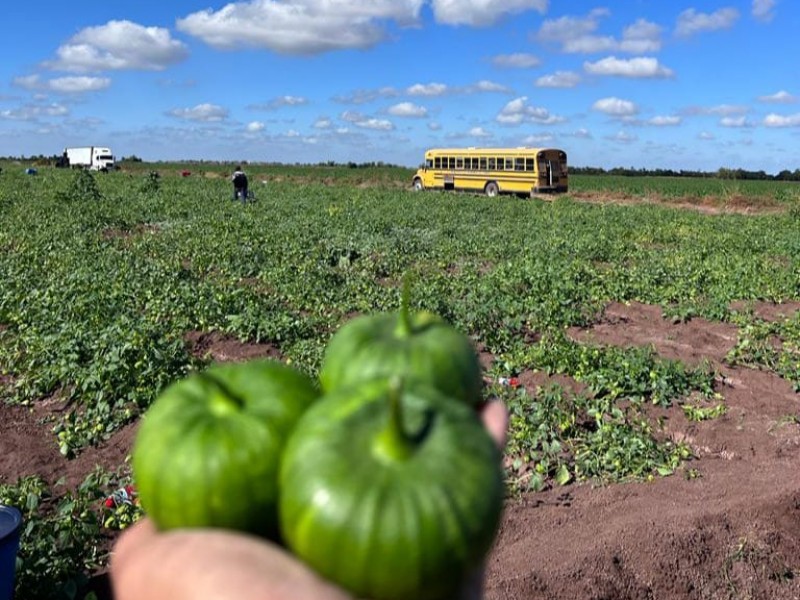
(65, 532)
(105, 275)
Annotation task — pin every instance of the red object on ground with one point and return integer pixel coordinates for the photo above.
(185, 173)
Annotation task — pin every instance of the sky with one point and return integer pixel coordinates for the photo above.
(674, 84)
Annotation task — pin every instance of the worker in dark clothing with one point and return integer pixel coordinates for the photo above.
(239, 180)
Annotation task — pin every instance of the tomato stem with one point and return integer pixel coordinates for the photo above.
(404, 326)
(392, 442)
(225, 399)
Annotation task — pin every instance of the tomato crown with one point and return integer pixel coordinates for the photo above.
(394, 443)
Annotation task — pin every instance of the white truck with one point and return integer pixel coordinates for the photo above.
(94, 158)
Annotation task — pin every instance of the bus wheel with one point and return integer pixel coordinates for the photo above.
(491, 189)
(418, 187)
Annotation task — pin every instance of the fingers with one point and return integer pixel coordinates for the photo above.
(495, 418)
(133, 538)
(206, 564)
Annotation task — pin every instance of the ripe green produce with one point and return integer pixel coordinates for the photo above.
(420, 347)
(208, 449)
(391, 493)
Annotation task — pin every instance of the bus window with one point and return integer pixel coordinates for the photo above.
(451, 162)
(519, 164)
(428, 164)
(500, 163)
(509, 164)
(459, 163)
(491, 164)
(482, 163)
(437, 162)
(468, 163)
(529, 164)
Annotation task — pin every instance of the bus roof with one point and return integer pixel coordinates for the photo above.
(474, 150)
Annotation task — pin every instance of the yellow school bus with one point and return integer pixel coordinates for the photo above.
(493, 171)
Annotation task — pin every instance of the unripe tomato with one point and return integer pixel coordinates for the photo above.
(208, 449)
(392, 494)
(420, 347)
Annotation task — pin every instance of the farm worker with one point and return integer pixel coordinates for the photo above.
(239, 180)
(213, 564)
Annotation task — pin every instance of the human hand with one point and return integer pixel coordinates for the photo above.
(205, 564)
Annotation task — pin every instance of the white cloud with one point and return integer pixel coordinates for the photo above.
(706, 136)
(63, 85)
(364, 96)
(589, 44)
(77, 85)
(364, 122)
(205, 113)
(280, 102)
(479, 132)
(734, 122)
(564, 29)
(255, 126)
(33, 112)
(408, 109)
(434, 126)
(518, 111)
(691, 22)
(519, 60)
(559, 79)
(301, 27)
(481, 13)
(664, 121)
(537, 140)
(762, 10)
(322, 123)
(616, 107)
(577, 35)
(635, 67)
(582, 133)
(427, 89)
(623, 137)
(781, 97)
(643, 36)
(486, 86)
(119, 45)
(723, 110)
(773, 120)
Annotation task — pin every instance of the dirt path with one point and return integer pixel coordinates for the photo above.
(732, 532)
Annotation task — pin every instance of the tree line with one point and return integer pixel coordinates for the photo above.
(723, 173)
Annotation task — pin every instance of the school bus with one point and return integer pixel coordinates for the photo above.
(493, 171)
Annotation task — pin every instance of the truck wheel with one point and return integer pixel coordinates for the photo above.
(418, 187)
(491, 189)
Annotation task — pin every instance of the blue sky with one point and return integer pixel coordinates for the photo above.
(673, 84)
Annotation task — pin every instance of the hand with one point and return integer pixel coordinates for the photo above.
(205, 564)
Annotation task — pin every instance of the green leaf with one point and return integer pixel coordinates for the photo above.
(563, 475)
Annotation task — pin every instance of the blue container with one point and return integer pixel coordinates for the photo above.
(10, 527)
(30, 171)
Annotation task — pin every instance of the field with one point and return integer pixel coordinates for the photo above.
(644, 333)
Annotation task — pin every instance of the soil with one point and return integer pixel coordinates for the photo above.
(732, 531)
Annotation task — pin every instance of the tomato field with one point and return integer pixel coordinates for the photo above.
(644, 334)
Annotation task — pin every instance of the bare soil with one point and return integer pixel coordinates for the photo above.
(731, 532)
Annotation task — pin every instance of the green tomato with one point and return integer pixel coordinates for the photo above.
(392, 494)
(207, 451)
(420, 347)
